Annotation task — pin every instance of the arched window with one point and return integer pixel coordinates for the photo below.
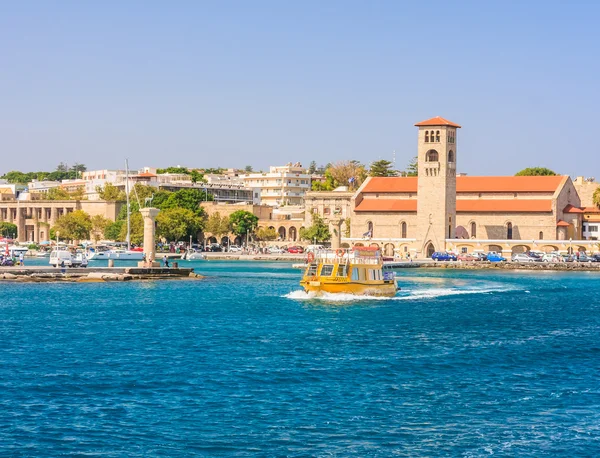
(437, 136)
(403, 229)
(509, 232)
(432, 156)
(369, 232)
(450, 156)
(473, 229)
(541, 235)
(426, 136)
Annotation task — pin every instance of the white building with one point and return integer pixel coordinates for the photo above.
(282, 185)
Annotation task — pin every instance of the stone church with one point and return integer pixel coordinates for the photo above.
(441, 211)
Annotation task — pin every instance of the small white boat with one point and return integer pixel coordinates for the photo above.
(42, 254)
(115, 254)
(192, 255)
(64, 258)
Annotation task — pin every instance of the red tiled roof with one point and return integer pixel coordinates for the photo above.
(437, 121)
(497, 205)
(591, 210)
(470, 184)
(387, 205)
(562, 223)
(391, 184)
(145, 174)
(571, 209)
(508, 184)
(466, 206)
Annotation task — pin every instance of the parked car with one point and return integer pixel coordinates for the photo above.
(522, 257)
(314, 248)
(568, 257)
(596, 257)
(214, 247)
(480, 256)
(552, 257)
(296, 250)
(466, 257)
(582, 257)
(276, 250)
(492, 256)
(234, 249)
(443, 256)
(536, 256)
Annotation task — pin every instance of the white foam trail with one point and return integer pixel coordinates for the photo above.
(429, 293)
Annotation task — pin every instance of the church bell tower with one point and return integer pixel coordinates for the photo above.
(436, 197)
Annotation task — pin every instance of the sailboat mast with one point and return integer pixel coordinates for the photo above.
(127, 203)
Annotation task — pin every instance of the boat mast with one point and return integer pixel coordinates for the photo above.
(127, 203)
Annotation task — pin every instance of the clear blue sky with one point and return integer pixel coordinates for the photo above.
(234, 83)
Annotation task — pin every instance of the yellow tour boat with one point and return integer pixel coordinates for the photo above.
(357, 271)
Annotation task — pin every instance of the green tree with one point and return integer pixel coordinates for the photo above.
(178, 223)
(57, 194)
(242, 222)
(62, 167)
(328, 185)
(74, 226)
(248, 169)
(347, 173)
(113, 231)
(535, 172)
(137, 229)
(178, 170)
(7, 229)
(99, 225)
(187, 198)
(218, 225)
(312, 168)
(197, 177)
(596, 197)
(412, 169)
(16, 177)
(110, 193)
(266, 233)
(77, 169)
(382, 168)
(318, 231)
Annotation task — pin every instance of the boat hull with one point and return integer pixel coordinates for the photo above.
(387, 289)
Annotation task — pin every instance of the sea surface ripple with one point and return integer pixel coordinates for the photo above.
(460, 363)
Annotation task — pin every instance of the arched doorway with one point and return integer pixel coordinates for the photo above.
(430, 249)
(293, 233)
(225, 241)
(388, 249)
(281, 233)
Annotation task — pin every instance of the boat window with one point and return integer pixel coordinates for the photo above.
(355, 274)
(326, 270)
(342, 271)
(312, 270)
(362, 274)
(372, 274)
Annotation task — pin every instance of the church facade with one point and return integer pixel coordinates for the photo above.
(440, 211)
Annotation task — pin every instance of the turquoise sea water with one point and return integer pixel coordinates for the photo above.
(461, 363)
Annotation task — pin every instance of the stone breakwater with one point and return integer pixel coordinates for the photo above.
(555, 266)
(93, 275)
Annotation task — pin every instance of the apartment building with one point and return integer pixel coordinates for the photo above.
(282, 185)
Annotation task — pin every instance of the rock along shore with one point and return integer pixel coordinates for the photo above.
(37, 274)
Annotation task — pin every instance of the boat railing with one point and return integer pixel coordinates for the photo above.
(344, 256)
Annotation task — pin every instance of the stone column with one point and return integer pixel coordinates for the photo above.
(336, 234)
(149, 215)
(21, 235)
(53, 216)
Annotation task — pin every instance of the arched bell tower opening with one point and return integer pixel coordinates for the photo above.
(436, 195)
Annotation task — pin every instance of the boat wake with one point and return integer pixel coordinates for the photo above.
(404, 295)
